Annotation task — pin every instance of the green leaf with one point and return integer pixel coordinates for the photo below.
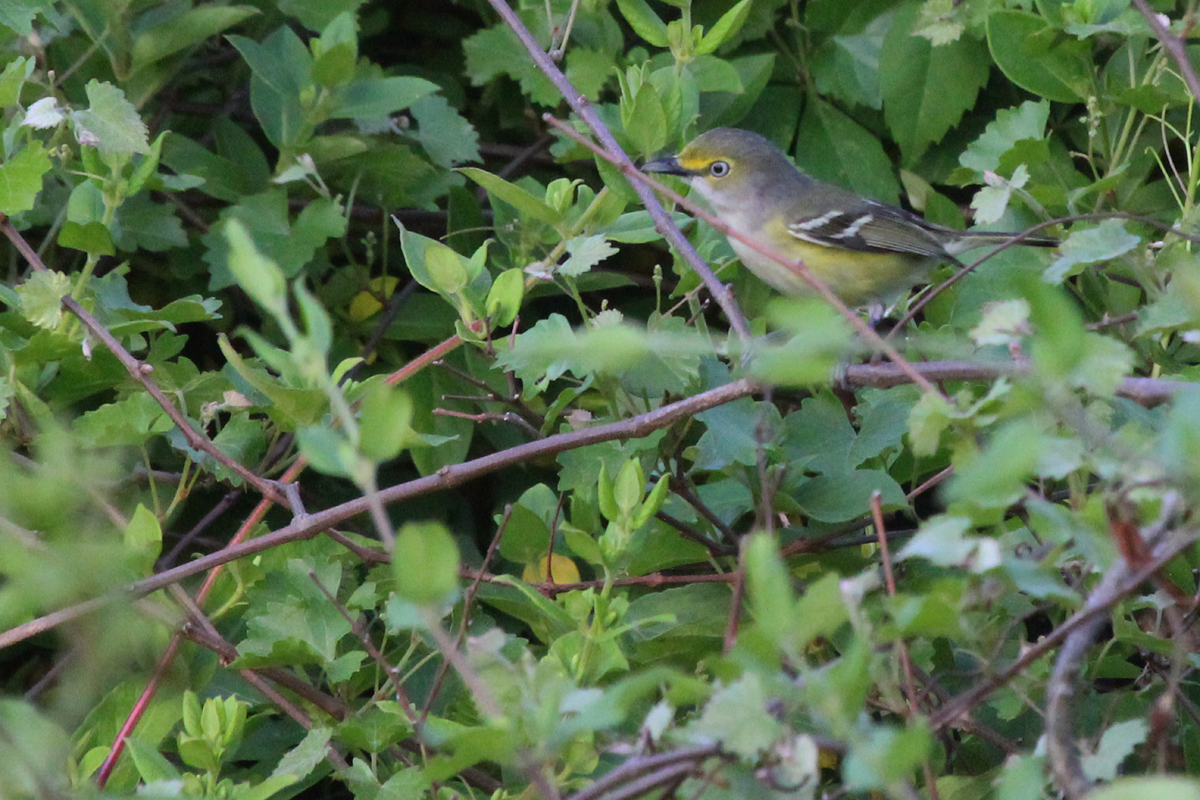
(738, 718)
(181, 31)
(929, 417)
(1038, 58)
(497, 51)
(846, 67)
(725, 29)
(17, 15)
(92, 238)
(130, 421)
(41, 298)
(142, 224)
(425, 563)
(517, 197)
(259, 276)
(317, 14)
(444, 134)
(833, 147)
(282, 70)
(384, 422)
(585, 252)
(374, 98)
(819, 612)
(886, 755)
(771, 597)
(729, 436)
(505, 296)
(143, 538)
(1022, 777)
(299, 762)
(996, 477)
(1116, 744)
(12, 79)
(111, 124)
(1148, 788)
(1107, 240)
(1011, 125)
(21, 178)
(941, 541)
(289, 244)
(837, 498)
(329, 451)
(926, 89)
(645, 22)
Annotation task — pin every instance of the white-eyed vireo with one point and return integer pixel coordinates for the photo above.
(865, 251)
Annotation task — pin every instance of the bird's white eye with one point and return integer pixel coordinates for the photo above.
(718, 169)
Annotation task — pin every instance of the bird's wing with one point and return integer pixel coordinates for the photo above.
(867, 226)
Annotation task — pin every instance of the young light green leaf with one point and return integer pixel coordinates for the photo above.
(505, 296)
(41, 298)
(384, 422)
(644, 21)
(726, 28)
(514, 195)
(259, 276)
(425, 563)
(21, 178)
(585, 252)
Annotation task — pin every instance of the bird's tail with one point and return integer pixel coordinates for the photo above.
(969, 240)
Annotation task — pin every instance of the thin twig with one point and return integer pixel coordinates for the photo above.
(910, 682)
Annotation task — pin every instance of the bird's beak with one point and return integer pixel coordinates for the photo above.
(667, 166)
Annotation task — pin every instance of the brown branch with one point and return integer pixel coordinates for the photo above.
(640, 766)
(309, 525)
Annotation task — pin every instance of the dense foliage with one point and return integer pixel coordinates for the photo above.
(364, 438)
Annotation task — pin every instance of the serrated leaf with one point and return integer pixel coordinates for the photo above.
(1107, 240)
(111, 124)
(444, 134)
(41, 298)
(926, 89)
(1011, 125)
(585, 252)
(833, 147)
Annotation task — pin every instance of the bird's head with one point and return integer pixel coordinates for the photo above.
(726, 165)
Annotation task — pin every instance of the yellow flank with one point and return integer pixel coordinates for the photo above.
(855, 277)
